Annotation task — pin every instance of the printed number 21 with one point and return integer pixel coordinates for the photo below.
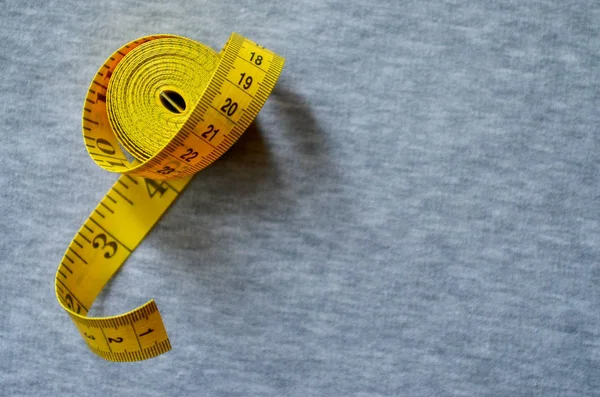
(211, 130)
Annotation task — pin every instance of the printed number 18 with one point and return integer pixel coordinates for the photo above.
(258, 60)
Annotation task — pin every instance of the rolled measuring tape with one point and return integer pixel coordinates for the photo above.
(175, 106)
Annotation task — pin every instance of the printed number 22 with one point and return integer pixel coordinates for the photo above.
(189, 155)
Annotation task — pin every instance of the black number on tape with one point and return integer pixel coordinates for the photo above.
(188, 155)
(230, 107)
(211, 129)
(89, 336)
(71, 304)
(258, 59)
(117, 340)
(114, 164)
(102, 238)
(154, 187)
(247, 83)
(166, 170)
(147, 332)
(105, 146)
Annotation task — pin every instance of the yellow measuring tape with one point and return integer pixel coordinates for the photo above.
(175, 106)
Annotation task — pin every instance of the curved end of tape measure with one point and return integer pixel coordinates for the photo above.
(223, 98)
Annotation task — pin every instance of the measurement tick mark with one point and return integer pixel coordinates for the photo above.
(131, 179)
(79, 256)
(107, 207)
(121, 194)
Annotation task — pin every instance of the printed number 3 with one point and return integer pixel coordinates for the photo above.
(101, 238)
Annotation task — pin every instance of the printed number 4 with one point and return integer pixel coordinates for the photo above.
(154, 187)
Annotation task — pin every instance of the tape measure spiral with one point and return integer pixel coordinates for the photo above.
(175, 106)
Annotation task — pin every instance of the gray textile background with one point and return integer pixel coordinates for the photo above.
(414, 214)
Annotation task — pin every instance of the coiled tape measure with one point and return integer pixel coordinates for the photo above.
(176, 106)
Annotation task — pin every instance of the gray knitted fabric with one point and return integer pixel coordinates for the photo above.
(415, 212)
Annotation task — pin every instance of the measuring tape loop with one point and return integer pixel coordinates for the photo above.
(159, 110)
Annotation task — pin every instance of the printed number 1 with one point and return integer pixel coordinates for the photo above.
(147, 332)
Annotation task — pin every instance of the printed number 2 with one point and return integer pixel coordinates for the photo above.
(71, 304)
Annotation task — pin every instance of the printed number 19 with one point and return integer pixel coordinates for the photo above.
(247, 83)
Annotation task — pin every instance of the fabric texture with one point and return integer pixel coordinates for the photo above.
(414, 213)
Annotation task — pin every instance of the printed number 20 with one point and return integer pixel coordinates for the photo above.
(230, 107)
